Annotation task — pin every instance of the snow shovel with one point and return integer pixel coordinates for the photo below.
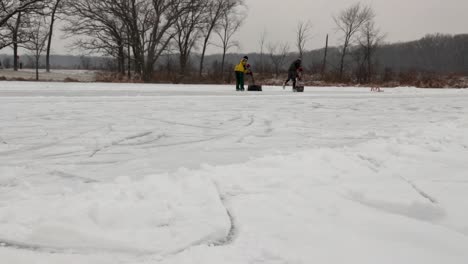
(254, 87)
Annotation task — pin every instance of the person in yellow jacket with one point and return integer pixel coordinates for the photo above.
(241, 69)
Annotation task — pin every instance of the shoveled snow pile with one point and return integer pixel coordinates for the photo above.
(337, 175)
(123, 216)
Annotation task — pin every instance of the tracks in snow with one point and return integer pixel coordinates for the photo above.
(118, 142)
(233, 230)
(420, 191)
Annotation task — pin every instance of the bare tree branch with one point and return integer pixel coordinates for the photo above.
(349, 22)
(9, 8)
(230, 23)
(303, 35)
(278, 53)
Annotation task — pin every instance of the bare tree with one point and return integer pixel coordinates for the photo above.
(98, 27)
(18, 37)
(37, 42)
(6, 33)
(14, 24)
(370, 39)
(12, 34)
(147, 26)
(54, 8)
(349, 22)
(230, 23)
(189, 27)
(213, 18)
(278, 53)
(303, 35)
(9, 8)
(151, 27)
(262, 43)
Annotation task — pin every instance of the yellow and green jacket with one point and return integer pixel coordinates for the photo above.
(241, 67)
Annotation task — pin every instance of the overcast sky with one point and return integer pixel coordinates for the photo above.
(401, 20)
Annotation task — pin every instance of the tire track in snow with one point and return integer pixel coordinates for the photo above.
(180, 123)
(72, 176)
(419, 190)
(117, 142)
(249, 124)
(5, 243)
(144, 142)
(233, 230)
(216, 137)
(24, 246)
(46, 145)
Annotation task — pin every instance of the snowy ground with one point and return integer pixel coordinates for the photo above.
(54, 75)
(110, 173)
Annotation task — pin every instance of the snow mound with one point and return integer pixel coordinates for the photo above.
(159, 214)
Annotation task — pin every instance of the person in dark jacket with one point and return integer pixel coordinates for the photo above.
(293, 72)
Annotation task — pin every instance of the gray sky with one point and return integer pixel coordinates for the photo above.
(401, 20)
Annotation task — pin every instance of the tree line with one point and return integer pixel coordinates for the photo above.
(134, 32)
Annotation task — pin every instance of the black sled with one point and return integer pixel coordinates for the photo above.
(254, 87)
(299, 88)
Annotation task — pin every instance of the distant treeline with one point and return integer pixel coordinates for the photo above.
(167, 41)
(438, 53)
(442, 54)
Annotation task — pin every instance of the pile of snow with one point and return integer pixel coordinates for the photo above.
(158, 214)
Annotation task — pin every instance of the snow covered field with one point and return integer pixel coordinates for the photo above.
(119, 173)
(54, 75)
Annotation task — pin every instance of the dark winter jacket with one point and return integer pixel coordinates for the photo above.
(295, 66)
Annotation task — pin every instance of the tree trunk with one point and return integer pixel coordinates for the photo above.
(37, 67)
(183, 61)
(369, 61)
(148, 69)
(262, 62)
(202, 59)
(51, 31)
(343, 54)
(15, 42)
(129, 63)
(222, 63)
(121, 60)
(139, 63)
(324, 64)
